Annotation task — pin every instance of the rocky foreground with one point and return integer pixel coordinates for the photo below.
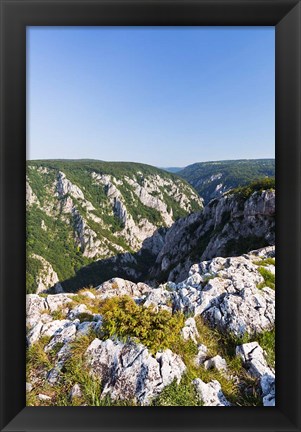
(205, 341)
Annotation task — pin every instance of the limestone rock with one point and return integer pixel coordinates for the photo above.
(267, 383)
(77, 310)
(211, 394)
(253, 358)
(120, 287)
(75, 392)
(44, 397)
(85, 327)
(57, 301)
(88, 294)
(48, 329)
(35, 306)
(201, 355)
(65, 333)
(58, 289)
(190, 331)
(216, 362)
(227, 296)
(159, 299)
(29, 387)
(31, 198)
(129, 371)
(215, 231)
(254, 361)
(47, 277)
(34, 333)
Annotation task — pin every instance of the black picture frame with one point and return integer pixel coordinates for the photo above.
(15, 16)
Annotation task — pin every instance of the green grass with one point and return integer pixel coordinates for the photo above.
(269, 278)
(36, 358)
(265, 262)
(266, 340)
(182, 394)
(58, 314)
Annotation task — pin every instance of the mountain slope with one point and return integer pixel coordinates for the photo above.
(242, 220)
(82, 211)
(212, 179)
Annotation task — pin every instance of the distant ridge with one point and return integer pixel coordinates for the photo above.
(212, 179)
(172, 169)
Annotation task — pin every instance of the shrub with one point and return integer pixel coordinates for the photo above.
(124, 319)
(256, 186)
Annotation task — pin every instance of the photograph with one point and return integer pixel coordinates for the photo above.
(150, 216)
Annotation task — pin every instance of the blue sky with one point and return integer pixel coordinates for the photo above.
(166, 96)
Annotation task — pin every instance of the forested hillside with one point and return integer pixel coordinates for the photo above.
(82, 211)
(212, 179)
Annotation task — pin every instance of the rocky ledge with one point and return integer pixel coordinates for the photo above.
(205, 341)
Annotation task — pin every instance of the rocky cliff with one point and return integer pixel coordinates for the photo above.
(208, 340)
(82, 211)
(229, 226)
(127, 229)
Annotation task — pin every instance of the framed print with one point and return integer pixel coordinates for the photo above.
(139, 284)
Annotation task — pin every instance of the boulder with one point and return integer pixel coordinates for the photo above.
(129, 372)
(216, 362)
(88, 294)
(120, 287)
(159, 299)
(48, 329)
(43, 397)
(57, 301)
(29, 387)
(190, 331)
(75, 392)
(201, 355)
(35, 307)
(254, 361)
(211, 394)
(62, 335)
(78, 310)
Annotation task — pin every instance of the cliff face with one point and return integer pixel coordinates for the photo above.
(89, 211)
(228, 226)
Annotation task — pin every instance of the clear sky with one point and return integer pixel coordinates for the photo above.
(166, 96)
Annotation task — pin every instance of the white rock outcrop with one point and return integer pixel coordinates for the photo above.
(47, 277)
(129, 371)
(216, 362)
(254, 361)
(120, 287)
(190, 331)
(211, 393)
(227, 295)
(201, 355)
